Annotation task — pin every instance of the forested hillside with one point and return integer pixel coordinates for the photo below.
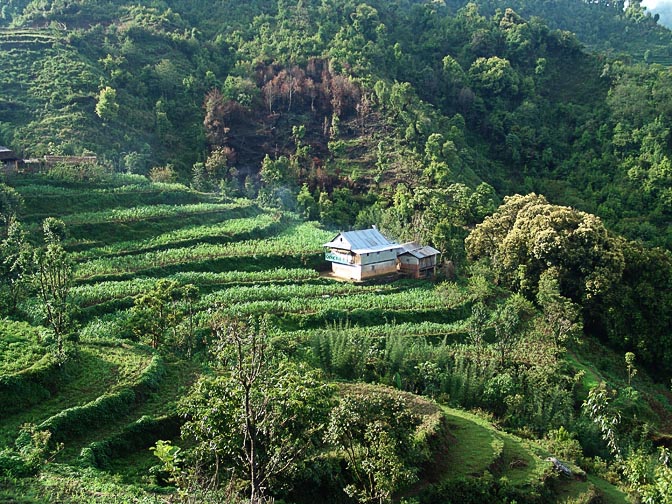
(169, 333)
(386, 91)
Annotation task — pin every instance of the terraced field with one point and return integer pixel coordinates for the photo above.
(116, 396)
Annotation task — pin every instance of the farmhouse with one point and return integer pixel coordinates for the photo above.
(363, 254)
(417, 261)
(8, 158)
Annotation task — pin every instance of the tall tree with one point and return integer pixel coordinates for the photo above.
(155, 311)
(510, 323)
(16, 263)
(11, 204)
(261, 416)
(53, 278)
(375, 432)
(527, 236)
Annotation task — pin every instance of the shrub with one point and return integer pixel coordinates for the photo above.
(163, 174)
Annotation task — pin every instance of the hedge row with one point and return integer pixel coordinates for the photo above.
(77, 420)
(139, 435)
(31, 386)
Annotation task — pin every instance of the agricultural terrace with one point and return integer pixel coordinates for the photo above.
(113, 391)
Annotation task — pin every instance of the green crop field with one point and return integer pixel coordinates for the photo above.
(116, 395)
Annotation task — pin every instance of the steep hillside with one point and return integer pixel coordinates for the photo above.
(119, 386)
(615, 28)
(350, 96)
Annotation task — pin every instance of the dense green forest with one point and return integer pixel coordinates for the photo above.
(516, 100)
(168, 333)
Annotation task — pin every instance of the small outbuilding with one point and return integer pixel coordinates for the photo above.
(363, 254)
(417, 261)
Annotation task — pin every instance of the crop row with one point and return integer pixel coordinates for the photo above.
(19, 347)
(229, 230)
(140, 434)
(410, 299)
(33, 188)
(297, 240)
(235, 294)
(110, 181)
(84, 236)
(145, 212)
(100, 292)
(425, 328)
(373, 308)
(107, 408)
(97, 369)
(56, 200)
(296, 292)
(27, 370)
(4, 33)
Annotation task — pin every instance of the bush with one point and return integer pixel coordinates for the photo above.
(24, 389)
(479, 490)
(138, 435)
(78, 173)
(13, 466)
(163, 174)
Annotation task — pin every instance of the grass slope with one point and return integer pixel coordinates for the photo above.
(478, 448)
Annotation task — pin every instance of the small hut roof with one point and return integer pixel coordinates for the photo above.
(7, 153)
(418, 251)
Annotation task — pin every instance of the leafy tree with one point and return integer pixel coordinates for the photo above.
(476, 329)
(274, 172)
(54, 230)
(155, 312)
(510, 322)
(375, 432)
(11, 204)
(262, 416)
(107, 107)
(199, 177)
(494, 75)
(164, 174)
(650, 479)
(32, 451)
(598, 408)
(53, 279)
(217, 163)
(306, 203)
(527, 236)
(561, 318)
(190, 295)
(630, 365)
(136, 162)
(16, 263)
(635, 315)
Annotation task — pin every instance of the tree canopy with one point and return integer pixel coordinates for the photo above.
(527, 236)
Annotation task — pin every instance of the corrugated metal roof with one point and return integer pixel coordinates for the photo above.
(7, 154)
(417, 250)
(364, 240)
